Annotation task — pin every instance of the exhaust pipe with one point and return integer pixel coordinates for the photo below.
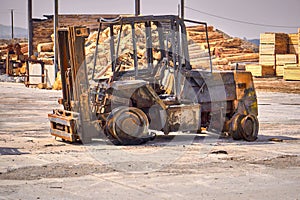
(137, 7)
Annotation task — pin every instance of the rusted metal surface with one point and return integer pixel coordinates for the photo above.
(168, 97)
(63, 125)
(183, 118)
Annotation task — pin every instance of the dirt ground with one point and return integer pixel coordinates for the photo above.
(33, 165)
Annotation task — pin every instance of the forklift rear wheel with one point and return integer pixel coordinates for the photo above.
(250, 127)
(235, 128)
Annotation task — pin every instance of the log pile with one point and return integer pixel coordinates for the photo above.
(125, 58)
(46, 52)
(225, 50)
(13, 63)
(4, 46)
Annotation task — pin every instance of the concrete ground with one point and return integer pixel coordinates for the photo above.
(33, 165)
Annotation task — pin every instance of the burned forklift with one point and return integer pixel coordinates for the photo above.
(147, 83)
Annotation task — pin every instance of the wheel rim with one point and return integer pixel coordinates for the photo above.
(128, 125)
(250, 127)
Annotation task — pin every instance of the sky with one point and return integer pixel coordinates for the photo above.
(238, 18)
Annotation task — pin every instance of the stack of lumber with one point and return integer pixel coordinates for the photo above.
(225, 50)
(292, 69)
(276, 50)
(282, 60)
(276, 43)
(270, 45)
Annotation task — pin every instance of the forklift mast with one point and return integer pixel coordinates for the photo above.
(72, 62)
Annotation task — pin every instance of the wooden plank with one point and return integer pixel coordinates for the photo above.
(45, 47)
(293, 38)
(291, 66)
(267, 49)
(260, 70)
(292, 73)
(279, 70)
(282, 59)
(199, 28)
(267, 60)
(250, 57)
(272, 38)
(293, 49)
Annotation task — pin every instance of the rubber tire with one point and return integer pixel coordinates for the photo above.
(235, 128)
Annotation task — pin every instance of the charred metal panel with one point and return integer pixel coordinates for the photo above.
(183, 117)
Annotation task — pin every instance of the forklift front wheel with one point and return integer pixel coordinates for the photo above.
(128, 125)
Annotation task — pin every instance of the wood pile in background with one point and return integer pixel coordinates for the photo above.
(45, 52)
(280, 52)
(43, 32)
(225, 50)
(43, 28)
(24, 46)
(125, 59)
(270, 45)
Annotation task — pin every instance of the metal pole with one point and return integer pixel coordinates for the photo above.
(30, 31)
(137, 8)
(182, 9)
(55, 36)
(12, 23)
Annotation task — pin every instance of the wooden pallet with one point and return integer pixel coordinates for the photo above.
(63, 125)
